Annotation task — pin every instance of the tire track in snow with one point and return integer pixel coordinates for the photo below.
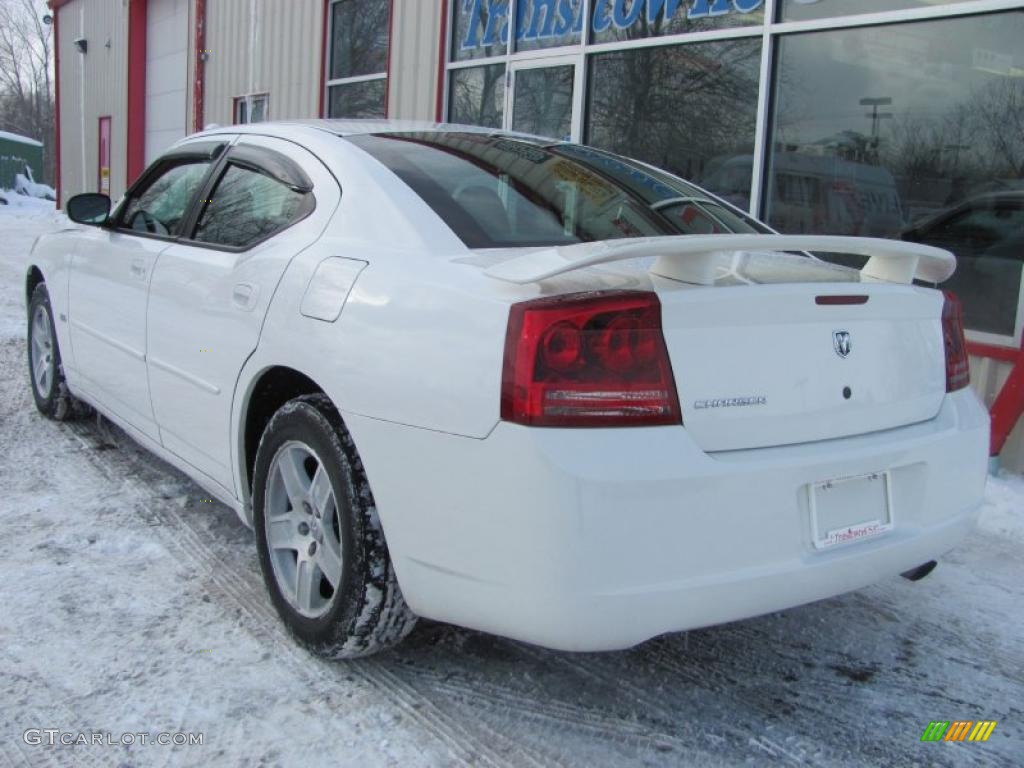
(413, 686)
(259, 618)
(595, 669)
(557, 713)
(60, 716)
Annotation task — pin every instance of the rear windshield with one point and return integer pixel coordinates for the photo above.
(500, 191)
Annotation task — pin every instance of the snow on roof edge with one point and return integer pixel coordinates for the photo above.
(20, 139)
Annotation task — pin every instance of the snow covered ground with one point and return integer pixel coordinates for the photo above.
(129, 604)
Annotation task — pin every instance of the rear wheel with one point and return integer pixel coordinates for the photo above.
(49, 389)
(321, 546)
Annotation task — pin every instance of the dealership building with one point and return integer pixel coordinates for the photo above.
(889, 118)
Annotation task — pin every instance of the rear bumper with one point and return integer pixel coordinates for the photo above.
(601, 539)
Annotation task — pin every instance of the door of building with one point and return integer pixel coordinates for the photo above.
(546, 97)
(166, 74)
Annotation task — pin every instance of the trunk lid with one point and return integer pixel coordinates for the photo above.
(768, 365)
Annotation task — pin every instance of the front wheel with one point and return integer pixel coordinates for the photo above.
(321, 547)
(46, 372)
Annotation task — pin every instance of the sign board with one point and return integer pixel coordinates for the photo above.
(547, 20)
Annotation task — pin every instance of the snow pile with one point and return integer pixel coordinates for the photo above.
(24, 184)
(22, 206)
(22, 220)
(1003, 513)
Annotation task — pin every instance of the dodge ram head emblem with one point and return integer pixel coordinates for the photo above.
(841, 341)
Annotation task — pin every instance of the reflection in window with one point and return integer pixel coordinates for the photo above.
(546, 24)
(160, 207)
(247, 207)
(251, 109)
(360, 38)
(543, 101)
(359, 58)
(357, 100)
(987, 235)
(797, 10)
(690, 109)
(479, 28)
(615, 20)
(878, 130)
(477, 96)
(496, 191)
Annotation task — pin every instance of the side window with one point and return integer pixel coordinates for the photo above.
(160, 207)
(248, 206)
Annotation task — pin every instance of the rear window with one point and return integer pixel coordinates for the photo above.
(500, 191)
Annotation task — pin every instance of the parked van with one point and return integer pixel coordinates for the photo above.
(817, 194)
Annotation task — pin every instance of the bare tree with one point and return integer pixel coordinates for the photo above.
(26, 80)
(998, 109)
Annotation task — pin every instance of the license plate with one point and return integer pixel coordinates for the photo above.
(850, 509)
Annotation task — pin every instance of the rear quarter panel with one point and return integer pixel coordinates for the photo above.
(419, 341)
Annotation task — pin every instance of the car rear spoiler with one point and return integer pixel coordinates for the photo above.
(694, 258)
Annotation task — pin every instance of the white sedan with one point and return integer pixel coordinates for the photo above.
(523, 386)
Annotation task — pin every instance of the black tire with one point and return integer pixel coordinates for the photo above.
(53, 398)
(367, 612)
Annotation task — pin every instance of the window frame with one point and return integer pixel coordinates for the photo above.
(329, 82)
(267, 162)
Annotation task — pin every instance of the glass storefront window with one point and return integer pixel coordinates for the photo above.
(548, 23)
(690, 109)
(895, 131)
(477, 96)
(479, 29)
(987, 235)
(360, 38)
(618, 20)
(542, 102)
(799, 10)
(357, 100)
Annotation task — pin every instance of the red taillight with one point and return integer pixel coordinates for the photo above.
(958, 368)
(588, 360)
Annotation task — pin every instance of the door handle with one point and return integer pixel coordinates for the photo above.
(139, 268)
(244, 296)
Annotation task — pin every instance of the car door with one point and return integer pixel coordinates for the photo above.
(110, 277)
(267, 201)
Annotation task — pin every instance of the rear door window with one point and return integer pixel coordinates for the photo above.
(248, 206)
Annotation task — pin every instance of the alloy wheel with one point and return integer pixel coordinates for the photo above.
(303, 529)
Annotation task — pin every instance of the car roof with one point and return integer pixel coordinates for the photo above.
(363, 127)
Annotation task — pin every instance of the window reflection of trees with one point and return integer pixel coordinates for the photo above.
(685, 108)
(679, 23)
(543, 101)
(478, 96)
(247, 207)
(360, 45)
(168, 197)
(461, 30)
(358, 100)
(957, 124)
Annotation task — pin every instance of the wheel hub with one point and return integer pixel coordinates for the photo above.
(302, 529)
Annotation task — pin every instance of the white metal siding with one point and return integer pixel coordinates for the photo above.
(415, 48)
(263, 46)
(167, 46)
(99, 80)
